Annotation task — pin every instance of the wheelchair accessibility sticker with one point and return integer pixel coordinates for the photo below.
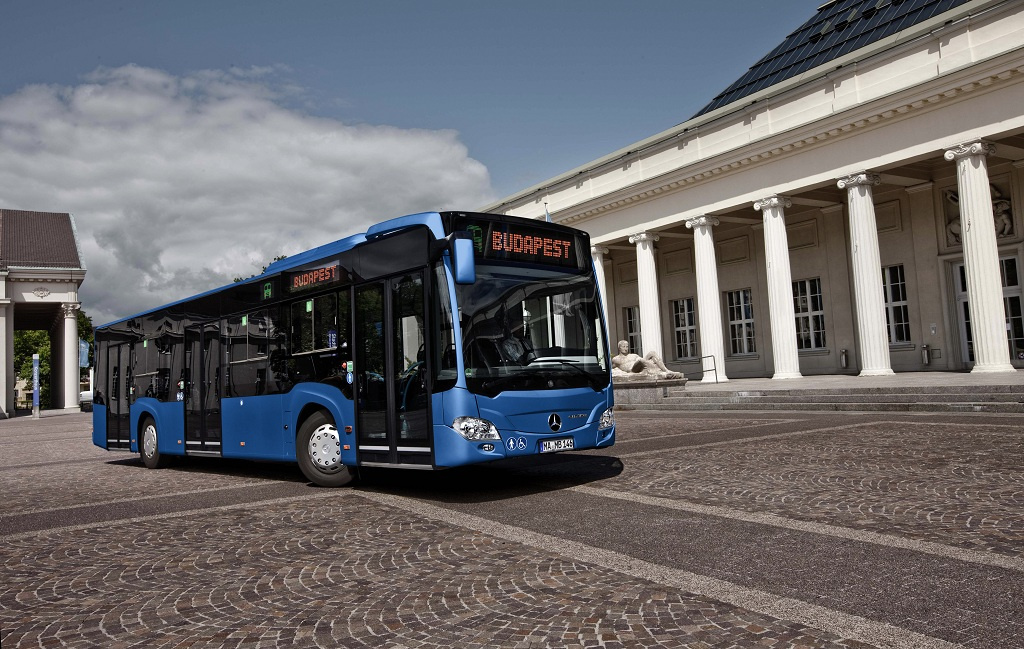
(515, 443)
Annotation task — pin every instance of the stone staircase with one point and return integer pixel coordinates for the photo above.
(952, 398)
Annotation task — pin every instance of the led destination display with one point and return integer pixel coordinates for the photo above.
(514, 242)
(314, 277)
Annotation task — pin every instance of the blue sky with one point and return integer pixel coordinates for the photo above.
(260, 119)
(533, 88)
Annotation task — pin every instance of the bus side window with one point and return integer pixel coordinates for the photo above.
(302, 326)
(344, 323)
(443, 345)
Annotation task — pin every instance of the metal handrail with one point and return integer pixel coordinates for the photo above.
(713, 367)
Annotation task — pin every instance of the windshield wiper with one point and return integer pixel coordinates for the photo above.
(592, 381)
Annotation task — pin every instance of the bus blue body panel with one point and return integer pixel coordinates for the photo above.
(254, 428)
(264, 428)
(457, 402)
(301, 258)
(305, 396)
(430, 219)
(170, 424)
(99, 425)
(522, 420)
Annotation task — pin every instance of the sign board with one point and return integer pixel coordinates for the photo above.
(35, 385)
(529, 243)
(311, 278)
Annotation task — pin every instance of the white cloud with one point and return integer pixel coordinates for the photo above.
(179, 184)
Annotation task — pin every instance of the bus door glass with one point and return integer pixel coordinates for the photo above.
(118, 388)
(393, 421)
(202, 387)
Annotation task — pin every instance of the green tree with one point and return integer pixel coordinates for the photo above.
(27, 343)
(85, 332)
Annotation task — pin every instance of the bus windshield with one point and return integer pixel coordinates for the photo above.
(531, 329)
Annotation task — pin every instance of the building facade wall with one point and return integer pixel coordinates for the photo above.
(892, 112)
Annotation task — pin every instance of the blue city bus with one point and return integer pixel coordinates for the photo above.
(430, 341)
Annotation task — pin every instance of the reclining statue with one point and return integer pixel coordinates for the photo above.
(626, 365)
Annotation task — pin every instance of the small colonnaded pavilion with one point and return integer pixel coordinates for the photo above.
(41, 269)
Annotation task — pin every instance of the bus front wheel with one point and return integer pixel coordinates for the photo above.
(148, 447)
(318, 447)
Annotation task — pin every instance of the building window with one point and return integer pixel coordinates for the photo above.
(810, 314)
(897, 313)
(741, 321)
(632, 315)
(1012, 307)
(686, 328)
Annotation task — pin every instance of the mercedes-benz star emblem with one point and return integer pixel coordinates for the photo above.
(555, 422)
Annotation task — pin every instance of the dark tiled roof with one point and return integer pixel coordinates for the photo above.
(37, 240)
(839, 28)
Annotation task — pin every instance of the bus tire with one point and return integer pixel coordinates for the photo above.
(318, 447)
(148, 447)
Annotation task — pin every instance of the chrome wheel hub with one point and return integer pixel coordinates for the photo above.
(325, 449)
(149, 440)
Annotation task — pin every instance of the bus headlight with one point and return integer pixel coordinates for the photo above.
(607, 419)
(474, 429)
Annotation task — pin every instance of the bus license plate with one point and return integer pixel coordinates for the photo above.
(552, 445)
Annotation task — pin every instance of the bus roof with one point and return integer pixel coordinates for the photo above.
(432, 220)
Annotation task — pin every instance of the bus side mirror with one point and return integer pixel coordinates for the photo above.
(463, 260)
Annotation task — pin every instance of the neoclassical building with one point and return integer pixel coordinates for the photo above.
(41, 269)
(853, 204)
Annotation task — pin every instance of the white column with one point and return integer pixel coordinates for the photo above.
(869, 300)
(981, 258)
(709, 301)
(7, 357)
(647, 278)
(780, 286)
(70, 371)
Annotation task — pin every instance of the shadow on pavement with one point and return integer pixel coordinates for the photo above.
(493, 481)
(278, 471)
(478, 483)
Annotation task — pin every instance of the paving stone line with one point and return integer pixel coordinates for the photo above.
(178, 514)
(383, 577)
(884, 636)
(745, 440)
(134, 498)
(943, 483)
(927, 547)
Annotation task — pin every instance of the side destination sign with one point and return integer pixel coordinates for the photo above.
(513, 242)
(314, 277)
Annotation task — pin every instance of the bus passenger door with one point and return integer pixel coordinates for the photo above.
(202, 388)
(393, 420)
(117, 388)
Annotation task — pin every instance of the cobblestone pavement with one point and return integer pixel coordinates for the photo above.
(695, 530)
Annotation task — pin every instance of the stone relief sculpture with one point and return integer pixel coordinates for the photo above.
(633, 366)
(1002, 212)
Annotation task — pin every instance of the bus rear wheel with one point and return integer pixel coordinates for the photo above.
(148, 447)
(318, 447)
